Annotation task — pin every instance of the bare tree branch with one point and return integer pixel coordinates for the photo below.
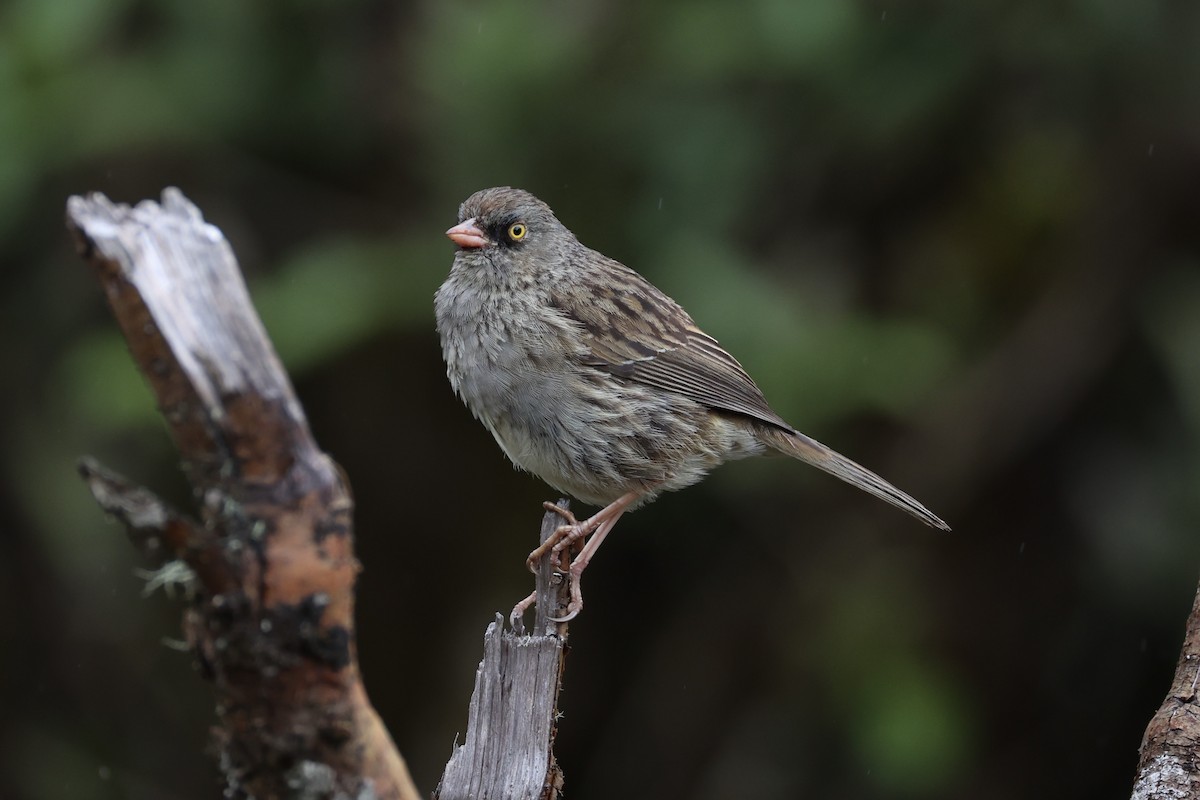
(1169, 761)
(271, 618)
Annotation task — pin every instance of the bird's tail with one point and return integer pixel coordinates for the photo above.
(797, 445)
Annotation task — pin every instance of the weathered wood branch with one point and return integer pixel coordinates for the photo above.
(508, 750)
(1169, 758)
(270, 619)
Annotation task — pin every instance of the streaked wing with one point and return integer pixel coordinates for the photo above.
(634, 331)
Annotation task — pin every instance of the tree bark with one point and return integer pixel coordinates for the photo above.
(1169, 758)
(270, 619)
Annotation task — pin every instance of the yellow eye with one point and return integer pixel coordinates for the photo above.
(517, 231)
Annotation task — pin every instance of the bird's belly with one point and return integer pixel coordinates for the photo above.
(551, 461)
(596, 440)
(541, 428)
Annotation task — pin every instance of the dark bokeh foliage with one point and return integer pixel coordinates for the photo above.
(957, 241)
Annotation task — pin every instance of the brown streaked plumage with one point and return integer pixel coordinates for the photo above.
(593, 379)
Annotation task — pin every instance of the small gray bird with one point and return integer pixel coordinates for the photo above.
(594, 380)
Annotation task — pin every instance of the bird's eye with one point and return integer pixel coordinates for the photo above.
(517, 231)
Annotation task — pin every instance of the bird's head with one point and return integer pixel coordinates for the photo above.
(503, 225)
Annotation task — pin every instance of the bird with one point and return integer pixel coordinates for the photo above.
(596, 381)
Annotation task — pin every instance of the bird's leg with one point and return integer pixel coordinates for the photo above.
(615, 510)
(573, 531)
(597, 526)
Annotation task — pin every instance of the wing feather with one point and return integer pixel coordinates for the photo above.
(636, 332)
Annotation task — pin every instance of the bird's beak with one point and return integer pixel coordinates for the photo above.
(467, 234)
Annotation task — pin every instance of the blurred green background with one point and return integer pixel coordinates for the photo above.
(957, 241)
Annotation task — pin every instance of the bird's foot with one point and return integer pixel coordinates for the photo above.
(559, 542)
(574, 574)
(515, 620)
(558, 545)
(565, 513)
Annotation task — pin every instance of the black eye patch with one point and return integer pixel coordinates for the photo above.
(499, 231)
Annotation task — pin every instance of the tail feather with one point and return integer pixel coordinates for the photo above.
(797, 445)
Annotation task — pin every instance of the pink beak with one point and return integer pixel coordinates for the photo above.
(467, 234)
